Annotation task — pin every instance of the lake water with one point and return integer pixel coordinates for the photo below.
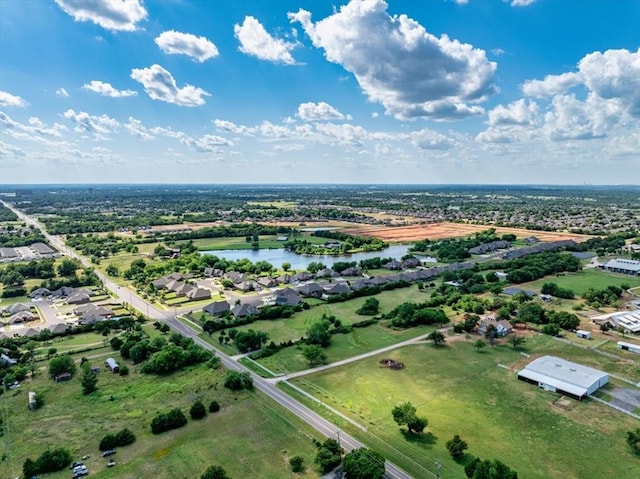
(300, 262)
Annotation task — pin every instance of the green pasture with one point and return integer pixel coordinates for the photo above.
(461, 391)
(239, 242)
(250, 437)
(583, 280)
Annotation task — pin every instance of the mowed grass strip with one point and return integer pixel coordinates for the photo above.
(461, 391)
(583, 280)
(251, 436)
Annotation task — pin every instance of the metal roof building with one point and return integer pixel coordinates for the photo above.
(565, 377)
(625, 266)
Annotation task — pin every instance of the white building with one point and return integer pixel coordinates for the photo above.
(629, 321)
(625, 266)
(634, 348)
(565, 377)
(583, 334)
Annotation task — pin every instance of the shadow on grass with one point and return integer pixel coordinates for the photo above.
(464, 459)
(425, 439)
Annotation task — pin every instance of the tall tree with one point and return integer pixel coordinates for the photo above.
(89, 381)
(406, 414)
(437, 337)
(364, 463)
(214, 472)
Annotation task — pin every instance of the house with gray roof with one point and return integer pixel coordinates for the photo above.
(353, 271)
(217, 308)
(311, 290)
(244, 309)
(79, 297)
(42, 249)
(39, 293)
(198, 294)
(287, 297)
(337, 288)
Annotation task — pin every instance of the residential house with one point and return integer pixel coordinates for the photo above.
(21, 317)
(503, 326)
(412, 262)
(337, 288)
(217, 308)
(284, 279)
(198, 294)
(184, 289)
(236, 276)
(490, 247)
(353, 271)
(302, 276)
(326, 273)
(393, 265)
(267, 282)
(243, 309)
(311, 290)
(287, 297)
(39, 293)
(79, 297)
(17, 308)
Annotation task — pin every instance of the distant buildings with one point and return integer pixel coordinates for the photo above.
(629, 321)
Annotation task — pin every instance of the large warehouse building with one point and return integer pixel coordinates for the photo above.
(564, 377)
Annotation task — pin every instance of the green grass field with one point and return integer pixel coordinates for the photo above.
(266, 242)
(464, 392)
(250, 437)
(583, 280)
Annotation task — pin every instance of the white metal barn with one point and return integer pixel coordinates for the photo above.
(634, 348)
(565, 377)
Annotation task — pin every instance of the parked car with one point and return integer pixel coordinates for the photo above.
(108, 453)
(75, 464)
(111, 463)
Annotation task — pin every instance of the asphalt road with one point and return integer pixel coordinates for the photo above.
(125, 295)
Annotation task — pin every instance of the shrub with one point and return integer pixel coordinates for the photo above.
(124, 370)
(297, 463)
(124, 437)
(50, 460)
(197, 411)
(214, 406)
(237, 381)
(174, 419)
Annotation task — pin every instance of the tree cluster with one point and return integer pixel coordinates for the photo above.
(237, 381)
(174, 419)
(123, 437)
(409, 314)
(603, 297)
(329, 455)
(364, 463)
(50, 460)
(554, 290)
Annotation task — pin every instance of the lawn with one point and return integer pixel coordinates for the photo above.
(239, 242)
(464, 392)
(250, 437)
(583, 280)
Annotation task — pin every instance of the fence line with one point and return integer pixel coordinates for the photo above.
(613, 406)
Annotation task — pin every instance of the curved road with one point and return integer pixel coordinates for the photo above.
(125, 295)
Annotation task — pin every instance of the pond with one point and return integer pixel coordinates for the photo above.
(300, 262)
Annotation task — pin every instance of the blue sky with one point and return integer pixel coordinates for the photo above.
(367, 91)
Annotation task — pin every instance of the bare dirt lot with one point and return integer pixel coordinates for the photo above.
(435, 231)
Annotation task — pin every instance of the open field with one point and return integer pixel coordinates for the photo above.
(464, 392)
(583, 280)
(250, 436)
(266, 242)
(436, 231)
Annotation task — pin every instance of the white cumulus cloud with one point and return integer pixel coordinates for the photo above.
(160, 85)
(62, 93)
(206, 143)
(551, 85)
(177, 43)
(399, 64)
(7, 99)
(521, 3)
(310, 111)
(106, 89)
(109, 14)
(85, 122)
(519, 112)
(256, 41)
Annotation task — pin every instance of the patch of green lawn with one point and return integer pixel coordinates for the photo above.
(251, 436)
(464, 392)
(583, 280)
